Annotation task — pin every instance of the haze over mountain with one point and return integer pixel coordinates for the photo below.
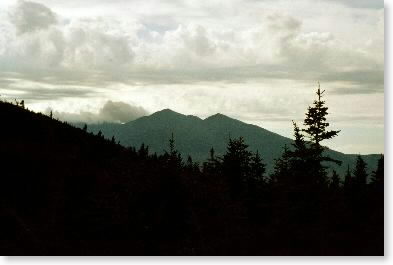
(195, 137)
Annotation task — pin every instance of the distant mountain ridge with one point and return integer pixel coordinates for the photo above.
(195, 136)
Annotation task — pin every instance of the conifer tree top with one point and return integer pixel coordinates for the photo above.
(315, 121)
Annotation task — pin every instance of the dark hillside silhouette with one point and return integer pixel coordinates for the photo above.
(67, 191)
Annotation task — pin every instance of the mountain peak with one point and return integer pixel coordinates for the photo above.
(219, 116)
(166, 113)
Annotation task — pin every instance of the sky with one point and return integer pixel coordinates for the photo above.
(258, 61)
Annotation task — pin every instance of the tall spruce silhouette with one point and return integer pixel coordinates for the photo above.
(360, 173)
(300, 161)
(212, 165)
(236, 163)
(281, 173)
(173, 156)
(335, 181)
(348, 179)
(257, 168)
(377, 177)
(316, 130)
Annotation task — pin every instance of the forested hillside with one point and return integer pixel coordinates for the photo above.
(195, 137)
(65, 191)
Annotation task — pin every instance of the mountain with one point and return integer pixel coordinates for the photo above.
(195, 137)
(65, 191)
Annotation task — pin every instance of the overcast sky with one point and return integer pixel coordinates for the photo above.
(255, 60)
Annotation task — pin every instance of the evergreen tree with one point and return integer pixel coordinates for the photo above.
(316, 130)
(172, 150)
(191, 166)
(360, 173)
(255, 178)
(281, 173)
(335, 181)
(301, 163)
(143, 151)
(316, 125)
(236, 163)
(84, 128)
(212, 165)
(174, 159)
(348, 179)
(257, 168)
(377, 177)
(189, 163)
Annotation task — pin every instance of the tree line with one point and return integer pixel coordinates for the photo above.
(81, 193)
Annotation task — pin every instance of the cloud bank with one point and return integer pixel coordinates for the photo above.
(41, 45)
(113, 112)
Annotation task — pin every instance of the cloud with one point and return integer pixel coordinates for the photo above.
(121, 112)
(117, 112)
(373, 4)
(30, 16)
(167, 48)
(40, 93)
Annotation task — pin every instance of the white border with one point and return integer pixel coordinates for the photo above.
(265, 260)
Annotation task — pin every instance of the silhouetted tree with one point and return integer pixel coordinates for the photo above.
(348, 179)
(85, 128)
(236, 164)
(377, 184)
(281, 172)
(189, 163)
(255, 178)
(212, 165)
(257, 168)
(316, 130)
(173, 156)
(143, 151)
(377, 177)
(301, 162)
(191, 166)
(315, 122)
(335, 181)
(360, 173)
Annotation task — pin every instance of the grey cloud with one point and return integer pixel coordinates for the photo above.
(30, 16)
(121, 112)
(118, 112)
(361, 118)
(100, 52)
(158, 23)
(360, 89)
(362, 77)
(373, 4)
(199, 42)
(283, 23)
(39, 93)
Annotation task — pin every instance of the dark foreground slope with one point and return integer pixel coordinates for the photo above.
(64, 191)
(195, 137)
